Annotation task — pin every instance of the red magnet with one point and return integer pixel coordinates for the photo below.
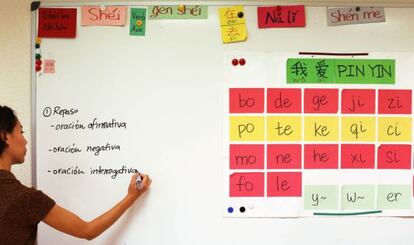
(38, 62)
(242, 62)
(235, 62)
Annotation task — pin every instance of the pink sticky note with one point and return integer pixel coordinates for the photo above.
(321, 156)
(284, 156)
(321, 100)
(394, 157)
(107, 16)
(246, 156)
(357, 156)
(49, 66)
(284, 184)
(246, 100)
(358, 101)
(247, 185)
(394, 101)
(284, 100)
(281, 16)
(57, 22)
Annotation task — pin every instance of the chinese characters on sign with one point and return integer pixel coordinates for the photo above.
(233, 24)
(342, 71)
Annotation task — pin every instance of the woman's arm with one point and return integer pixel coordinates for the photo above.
(68, 222)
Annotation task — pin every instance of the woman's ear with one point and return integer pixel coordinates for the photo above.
(3, 137)
(3, 142)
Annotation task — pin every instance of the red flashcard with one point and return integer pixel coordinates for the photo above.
(358, 156)
(358, 101)
(284, 184)
(284, 156)
(284, 100)
(281, 16)
(246, 156)
(321, 156)
(57, 22)
(394, 101)
(246, 100)
(394, 157)
(321, 100)
(247, 185)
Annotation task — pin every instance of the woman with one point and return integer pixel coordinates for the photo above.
(22, 208)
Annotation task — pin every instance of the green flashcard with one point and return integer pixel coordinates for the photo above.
(394, 196)
(358, 197)
(163, 12)
(310, 71)
(365, 71)
(137, 22)
(340, 71)
(321, 197)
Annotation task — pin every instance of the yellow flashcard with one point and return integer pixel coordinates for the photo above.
(232, 24)
(284, 128)
(361, 129)
(247, 128)
(391, 129)
(321, 128)
(233, 33)
(232, 15)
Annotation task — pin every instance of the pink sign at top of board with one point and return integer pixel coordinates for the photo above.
(103, 16)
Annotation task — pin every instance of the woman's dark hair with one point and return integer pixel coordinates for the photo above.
(8, 121)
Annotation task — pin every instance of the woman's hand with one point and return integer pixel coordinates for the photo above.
(133, 190)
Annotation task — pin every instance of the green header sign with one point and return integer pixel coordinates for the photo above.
(342, 71)
(162, 12)
(137, 22)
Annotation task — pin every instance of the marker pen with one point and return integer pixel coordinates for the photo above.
(138, 181)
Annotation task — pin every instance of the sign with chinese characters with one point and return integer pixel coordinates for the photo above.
(343, 71)
(232, 24)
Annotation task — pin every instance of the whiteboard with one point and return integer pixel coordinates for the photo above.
(169, 89)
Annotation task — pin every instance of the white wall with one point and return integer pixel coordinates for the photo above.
(15, 83)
